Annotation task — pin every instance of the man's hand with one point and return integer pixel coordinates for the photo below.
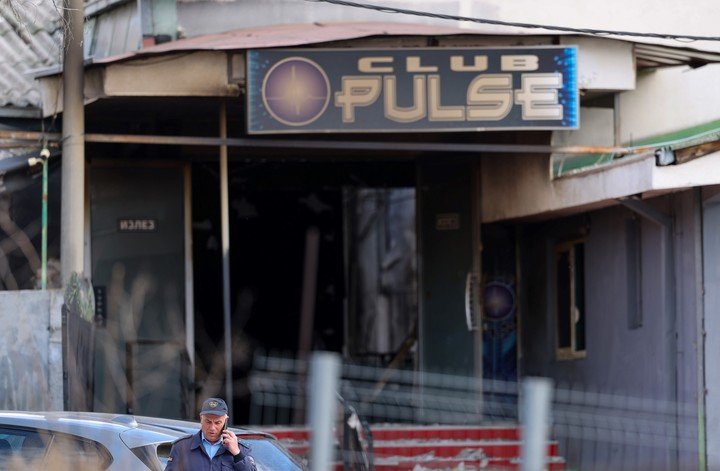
(230, 441)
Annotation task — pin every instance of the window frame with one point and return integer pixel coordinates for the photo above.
(577, 314)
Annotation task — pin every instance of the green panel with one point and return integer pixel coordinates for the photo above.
(687, 133)
(565, 164)
(445, 192)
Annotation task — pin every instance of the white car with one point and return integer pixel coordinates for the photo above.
(89, 441)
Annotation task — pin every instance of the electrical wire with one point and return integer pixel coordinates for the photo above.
(567, 29)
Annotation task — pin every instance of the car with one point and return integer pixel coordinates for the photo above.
(93, 441)
(268, 453)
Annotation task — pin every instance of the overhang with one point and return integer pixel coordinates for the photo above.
(519, 189)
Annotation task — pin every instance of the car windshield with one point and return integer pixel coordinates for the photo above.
(270, 457)
(267, 454)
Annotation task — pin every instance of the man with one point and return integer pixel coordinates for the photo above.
(212, 448)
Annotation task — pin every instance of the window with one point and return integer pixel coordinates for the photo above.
(34, 449)
(26, 447)
(570, 299)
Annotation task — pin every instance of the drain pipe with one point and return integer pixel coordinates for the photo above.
(225, 241)
(700, 330)
(647, 211)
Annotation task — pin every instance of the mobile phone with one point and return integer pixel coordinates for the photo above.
(222, 434)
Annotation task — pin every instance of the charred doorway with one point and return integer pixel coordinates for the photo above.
(273, 205)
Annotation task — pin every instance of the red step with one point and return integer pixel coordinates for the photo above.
(435, 447)
(410, 432)
(445, 432)
(494, 464)
(453, 448)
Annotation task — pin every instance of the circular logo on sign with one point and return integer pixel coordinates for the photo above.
(499, 300)
(296, 91)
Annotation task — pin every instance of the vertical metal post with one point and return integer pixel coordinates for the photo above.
(322, 407)
(225, 236)
(701, 395)
(477, 249)
(537, 393)
(43, 244)
(189, 276)
(73, 147)
(307, 312)
(617, 123)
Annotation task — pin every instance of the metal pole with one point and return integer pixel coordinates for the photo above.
(189, 276)
(322, 407)
(701, 395)
(43, 244)
(307, 312)
(413, 147)
(537, 393)
(73, 144)
(225, 236)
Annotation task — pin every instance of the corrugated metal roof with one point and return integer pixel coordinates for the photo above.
(288, 35)
(648, 52)
(30, 39)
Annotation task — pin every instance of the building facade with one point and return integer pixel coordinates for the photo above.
(580, 251)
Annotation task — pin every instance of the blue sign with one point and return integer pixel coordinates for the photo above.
(406, 90)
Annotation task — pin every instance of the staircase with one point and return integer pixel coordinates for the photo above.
(434, 447)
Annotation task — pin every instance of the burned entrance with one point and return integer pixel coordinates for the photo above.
(364, 303)
(362, 197)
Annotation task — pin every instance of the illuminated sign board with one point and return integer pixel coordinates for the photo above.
(411, 90)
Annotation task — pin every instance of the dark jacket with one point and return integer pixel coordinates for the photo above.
(188, 454)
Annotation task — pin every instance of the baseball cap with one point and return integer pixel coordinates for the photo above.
(214, 406)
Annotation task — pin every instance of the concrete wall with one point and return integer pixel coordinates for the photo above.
(641, 362)
(31, 350)
(520, 186)
(669, 100)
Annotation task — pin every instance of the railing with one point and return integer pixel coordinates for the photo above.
(589, 429)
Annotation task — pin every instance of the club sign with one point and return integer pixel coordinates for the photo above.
(406, 90)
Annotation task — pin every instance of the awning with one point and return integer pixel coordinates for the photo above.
(680, 147)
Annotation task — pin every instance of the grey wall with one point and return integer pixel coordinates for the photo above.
(644, 361)
(711, 241)
(31, 350)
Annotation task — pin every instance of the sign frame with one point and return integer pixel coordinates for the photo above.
(318, 86)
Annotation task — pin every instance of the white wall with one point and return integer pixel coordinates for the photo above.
(697, 17)
(597, 128)
(196, 18)
(668, 100)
